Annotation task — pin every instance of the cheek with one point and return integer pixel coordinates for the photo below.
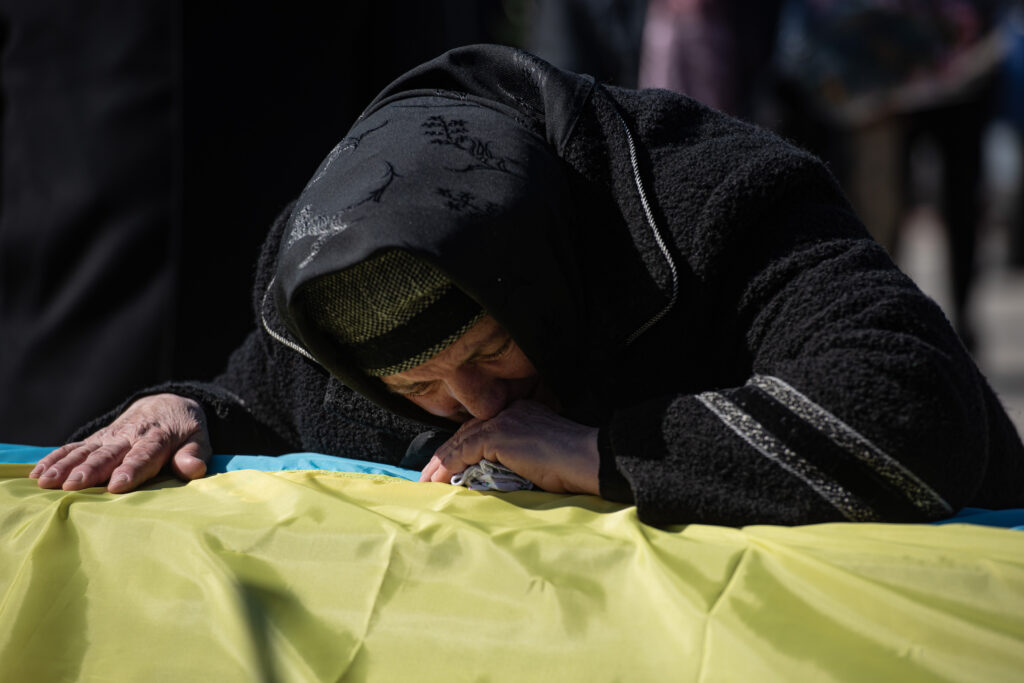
(517, 375)
(441, 406)
(425, 402)
(516, 366)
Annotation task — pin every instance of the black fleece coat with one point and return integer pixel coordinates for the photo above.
(752, 355)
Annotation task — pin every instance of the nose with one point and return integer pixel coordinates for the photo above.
(478, 393)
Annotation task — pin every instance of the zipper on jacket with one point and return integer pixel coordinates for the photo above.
(277, 336)
(655, 230)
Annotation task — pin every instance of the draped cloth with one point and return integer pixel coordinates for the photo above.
(315, 575)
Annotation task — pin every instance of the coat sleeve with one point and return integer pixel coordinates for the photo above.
(272, 399)
(854, 399)
(235, 405)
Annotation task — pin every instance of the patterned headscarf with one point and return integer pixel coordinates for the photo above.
(434, 209)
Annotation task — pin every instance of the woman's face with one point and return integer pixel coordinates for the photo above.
(478, 375)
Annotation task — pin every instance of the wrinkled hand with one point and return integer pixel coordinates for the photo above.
(530, 439)
(133, 448)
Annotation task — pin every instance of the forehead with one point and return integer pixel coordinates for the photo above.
(485, 332)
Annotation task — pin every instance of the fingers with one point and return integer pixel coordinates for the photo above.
(427, 474)
(52, 457)
(189, 462)
(135, 447)
(53, 470)
(554, 453)
(465, 448)
(436, 471)
(78, 465)
(142, 462)
(81, 465)
(91, 464)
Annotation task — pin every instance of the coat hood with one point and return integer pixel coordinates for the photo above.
(457, 164)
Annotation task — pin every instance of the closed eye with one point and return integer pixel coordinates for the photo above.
(505, 347)
(418, 389)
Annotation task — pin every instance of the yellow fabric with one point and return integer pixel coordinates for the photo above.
(316, 576)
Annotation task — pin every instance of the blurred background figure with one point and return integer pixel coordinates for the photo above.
(716, 51)
(1012, 111)
(88, 256)
(874, 81)
(597, 37)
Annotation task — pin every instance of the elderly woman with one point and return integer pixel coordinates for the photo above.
(606, 291)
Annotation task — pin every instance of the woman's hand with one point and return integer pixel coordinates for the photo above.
(530, 439)
(133, 448)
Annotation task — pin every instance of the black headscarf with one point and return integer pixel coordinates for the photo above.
(463, 184)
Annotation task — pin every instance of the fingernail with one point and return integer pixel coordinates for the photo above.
(50, 474)
(119, 480)
(76, 477)
(35, 471)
